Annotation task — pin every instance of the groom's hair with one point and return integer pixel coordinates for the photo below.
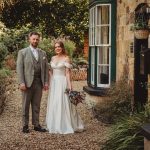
(33, 33)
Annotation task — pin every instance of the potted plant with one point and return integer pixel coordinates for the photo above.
(141, 29)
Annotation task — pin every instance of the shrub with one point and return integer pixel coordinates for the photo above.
(4, 73)
(70, 47)
(80, 62)
(10, 62)
(47, 46)
(125, 134)
(117, 102)
(2, 93)
(140, 24)
(3, 53)
(14, 39)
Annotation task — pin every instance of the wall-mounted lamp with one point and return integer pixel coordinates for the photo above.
(148, 10)
(148, 13)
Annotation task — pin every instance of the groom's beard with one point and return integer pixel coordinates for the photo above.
(34, 45)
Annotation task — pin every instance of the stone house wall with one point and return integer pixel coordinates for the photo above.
(125, 37)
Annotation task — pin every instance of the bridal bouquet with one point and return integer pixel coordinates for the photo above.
(75, 97)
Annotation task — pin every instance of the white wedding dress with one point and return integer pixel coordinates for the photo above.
(62, 116)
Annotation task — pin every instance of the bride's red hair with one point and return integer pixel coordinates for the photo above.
(62, 46)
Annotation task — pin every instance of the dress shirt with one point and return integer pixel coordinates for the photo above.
(35, 52)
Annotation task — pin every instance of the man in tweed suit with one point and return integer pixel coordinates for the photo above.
(32, 70)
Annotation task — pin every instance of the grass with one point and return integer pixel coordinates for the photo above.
(125, 134)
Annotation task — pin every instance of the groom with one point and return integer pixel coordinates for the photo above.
(32, 70)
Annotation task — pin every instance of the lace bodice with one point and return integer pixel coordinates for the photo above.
(60, 67)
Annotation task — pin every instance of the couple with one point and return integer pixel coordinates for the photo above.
(35, 75)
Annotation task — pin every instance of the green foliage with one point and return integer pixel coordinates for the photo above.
(4, 73)
(79, 61)
(141, 23)
(117, 102)
(3, 53)
(47, 46)
(125, 134)
(140, 26)
(14, 40)
(70, 47)
(68, 17)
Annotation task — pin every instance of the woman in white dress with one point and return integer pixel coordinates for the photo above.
(62, 116)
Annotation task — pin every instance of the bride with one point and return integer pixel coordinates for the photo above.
(62, 116)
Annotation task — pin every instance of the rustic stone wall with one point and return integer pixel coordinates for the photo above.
(79, 74)
(125, 37)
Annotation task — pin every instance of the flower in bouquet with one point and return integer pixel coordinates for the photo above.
(75, 97)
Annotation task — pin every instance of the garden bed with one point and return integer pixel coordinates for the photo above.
(2, 94)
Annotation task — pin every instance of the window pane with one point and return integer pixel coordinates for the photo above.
(93, 34)
(92, 55)
(103, 75)
(103, 25)
(103, 55)
(92, 64)
(98, 33)
(92, 27)
(92, 74)
(102, 35)
(105, 35)
(102, 14)
(103, 43)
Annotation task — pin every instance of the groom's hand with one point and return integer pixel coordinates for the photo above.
(22, 87)
(45, 87)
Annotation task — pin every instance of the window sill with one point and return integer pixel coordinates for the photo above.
(95, 91)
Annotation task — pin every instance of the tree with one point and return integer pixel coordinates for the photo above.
(55, 17)
(4, 2)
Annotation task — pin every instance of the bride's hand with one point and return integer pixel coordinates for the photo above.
(70, 88)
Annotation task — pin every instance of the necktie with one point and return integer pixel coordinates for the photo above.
(35, 54)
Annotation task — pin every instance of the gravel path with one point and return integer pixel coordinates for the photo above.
(11, 137)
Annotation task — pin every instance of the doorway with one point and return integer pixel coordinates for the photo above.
(140, 80)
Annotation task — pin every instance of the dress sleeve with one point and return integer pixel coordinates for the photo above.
(68, 65)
